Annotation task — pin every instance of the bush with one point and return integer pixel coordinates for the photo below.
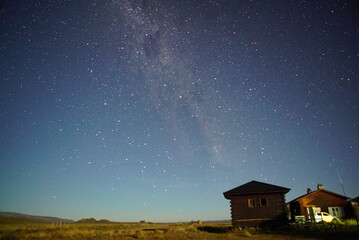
(350, 222)
(247, 233)
(192, 229)
(180, 229)
(10, 236)
(140, 234)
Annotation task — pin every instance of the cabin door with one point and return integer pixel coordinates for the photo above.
(311, 212)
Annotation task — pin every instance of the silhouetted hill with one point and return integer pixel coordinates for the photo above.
(17, 220)
(87, 220)
(20, 217)
(104, 221)
(93, 220)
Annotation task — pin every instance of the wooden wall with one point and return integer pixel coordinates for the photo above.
(242, 215)
(320, 199)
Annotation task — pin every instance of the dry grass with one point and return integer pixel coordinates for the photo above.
(145, 231)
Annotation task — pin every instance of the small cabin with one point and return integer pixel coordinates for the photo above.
(257, 204)
(320, 200)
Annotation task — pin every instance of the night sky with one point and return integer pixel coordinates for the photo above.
(150, 110)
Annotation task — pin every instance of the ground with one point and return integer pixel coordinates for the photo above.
(159, 231)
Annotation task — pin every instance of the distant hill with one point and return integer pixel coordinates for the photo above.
(20, 217)
(93, 220)
(104, 221)
(87, 220)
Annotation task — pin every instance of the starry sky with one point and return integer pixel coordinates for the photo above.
(150, 110)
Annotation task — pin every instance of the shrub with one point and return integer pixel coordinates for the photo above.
(350, 222)
(192, 229)
(180, 229)
(10, 236)
(140, 234)
(246, 233)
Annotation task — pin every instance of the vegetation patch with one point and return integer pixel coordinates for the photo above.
(173, 231)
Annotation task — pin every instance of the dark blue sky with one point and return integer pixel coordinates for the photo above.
(131, 110)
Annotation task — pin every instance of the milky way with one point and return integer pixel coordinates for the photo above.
(191, 106)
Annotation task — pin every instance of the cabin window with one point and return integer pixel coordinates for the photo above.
(336, 211)
(263, 202)
(251, 202)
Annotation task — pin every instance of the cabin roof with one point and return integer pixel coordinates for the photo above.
(317, 191)
(255, 187)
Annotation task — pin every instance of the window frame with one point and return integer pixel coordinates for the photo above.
(251, 202)
(266, 202)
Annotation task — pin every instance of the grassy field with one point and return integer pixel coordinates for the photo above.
(149, 231)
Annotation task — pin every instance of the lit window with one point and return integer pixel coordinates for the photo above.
(263, 202)
(251, 202)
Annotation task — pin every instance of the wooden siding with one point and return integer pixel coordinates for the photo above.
(320, 199)
(243, 215)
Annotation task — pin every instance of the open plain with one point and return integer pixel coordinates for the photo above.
(17, 229)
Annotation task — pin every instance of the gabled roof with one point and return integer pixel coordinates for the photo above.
(255, 187)
(317, 191)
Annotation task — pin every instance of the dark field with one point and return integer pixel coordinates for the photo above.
(127, 231)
